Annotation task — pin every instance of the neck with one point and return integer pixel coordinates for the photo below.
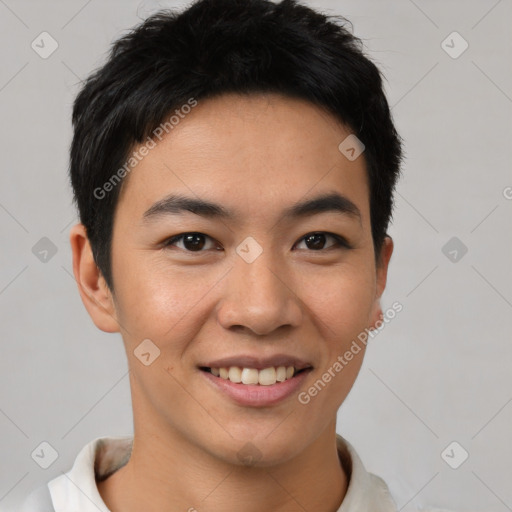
(167, 473)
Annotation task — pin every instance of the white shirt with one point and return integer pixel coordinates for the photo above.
(76, 490)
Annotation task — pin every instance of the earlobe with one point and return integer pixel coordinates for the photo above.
(382, 273)
(95, 294)
(383, 263)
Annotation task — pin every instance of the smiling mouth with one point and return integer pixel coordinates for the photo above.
(252, 376)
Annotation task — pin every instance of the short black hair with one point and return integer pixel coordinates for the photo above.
(216, 47)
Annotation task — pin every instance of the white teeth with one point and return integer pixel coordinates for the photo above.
(235, 374)
(249, 376)
(265, 377)
(281, 374)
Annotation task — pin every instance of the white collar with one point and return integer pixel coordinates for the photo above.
(365, 491)
(77, 490)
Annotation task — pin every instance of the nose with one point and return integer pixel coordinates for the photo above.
(259, 297)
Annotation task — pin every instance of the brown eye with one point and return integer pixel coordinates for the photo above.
(317, 241)
(191, 242)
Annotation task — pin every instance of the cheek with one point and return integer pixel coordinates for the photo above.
(169, 304)
(161, 303)
(340, 306)
(342, 301)
(349, 310)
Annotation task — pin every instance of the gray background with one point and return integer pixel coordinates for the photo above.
(438, 373)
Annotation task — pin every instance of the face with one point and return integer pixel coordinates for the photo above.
(277, 272)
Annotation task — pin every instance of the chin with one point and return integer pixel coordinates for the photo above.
(254, 451)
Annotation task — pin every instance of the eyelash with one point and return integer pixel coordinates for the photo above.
(341, 243)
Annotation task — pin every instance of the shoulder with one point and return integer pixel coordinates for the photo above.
(95, 461)
(365, 491)
(39, 500)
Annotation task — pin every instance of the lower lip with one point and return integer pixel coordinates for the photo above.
(256, 395)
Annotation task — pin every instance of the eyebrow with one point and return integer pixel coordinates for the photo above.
(176, 204)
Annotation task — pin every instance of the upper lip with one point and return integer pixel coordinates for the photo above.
(257, 362)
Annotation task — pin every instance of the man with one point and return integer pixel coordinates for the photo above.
(234, 167)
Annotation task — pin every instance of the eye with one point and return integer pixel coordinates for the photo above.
(316, 241)
(199, 242)
(191, 242)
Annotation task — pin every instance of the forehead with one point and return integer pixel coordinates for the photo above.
(254, 153)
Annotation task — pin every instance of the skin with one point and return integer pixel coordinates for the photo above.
(255, 155)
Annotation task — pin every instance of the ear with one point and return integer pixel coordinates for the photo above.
(382, 274)
(95, 294)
